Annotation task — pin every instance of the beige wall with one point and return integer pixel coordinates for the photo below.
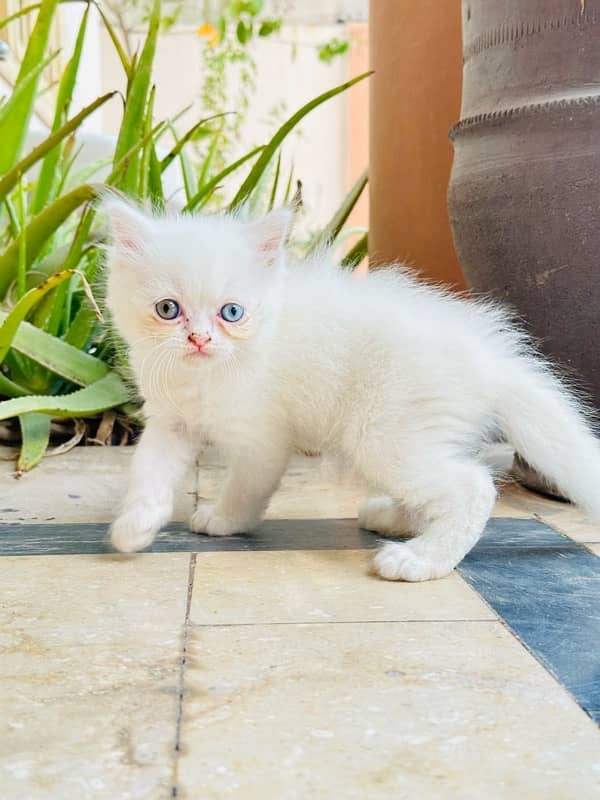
(417, 57)
(358, 118)
(358, 128)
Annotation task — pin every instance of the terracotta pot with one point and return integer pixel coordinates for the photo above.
(524, 194)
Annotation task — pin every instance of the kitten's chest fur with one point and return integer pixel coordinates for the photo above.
(246, 408)
(223, 413)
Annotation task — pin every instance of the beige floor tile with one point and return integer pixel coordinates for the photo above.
(312, 490)
(308, 490)
(572, 522)
(563, 517)
(378, 711)
(88, 483)
(319, 585)
(89, 675)
(507, 506)
(85, 485)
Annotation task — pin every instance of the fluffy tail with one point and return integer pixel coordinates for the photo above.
(549, 428)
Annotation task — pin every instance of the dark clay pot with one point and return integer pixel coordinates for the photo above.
(524, 196)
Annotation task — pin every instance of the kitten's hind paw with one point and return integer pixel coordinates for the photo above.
(386, 517)
(204, 520)
(399, 562)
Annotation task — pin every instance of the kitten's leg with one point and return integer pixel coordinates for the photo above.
(159, 462)
(455, 499)
(250, 482)
(388, 517)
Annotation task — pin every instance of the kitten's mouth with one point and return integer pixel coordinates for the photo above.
(197, 353)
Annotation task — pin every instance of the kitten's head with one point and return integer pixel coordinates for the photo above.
(202, 289)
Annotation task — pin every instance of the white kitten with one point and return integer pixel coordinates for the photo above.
(402, 381)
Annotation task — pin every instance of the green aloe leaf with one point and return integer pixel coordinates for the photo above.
(275, 183)
(41, 227)
(46, 148)
(67, 83)
(108, 392)
(183, 140)
(10, 121)
(17, 111)
(288, 186)
(9, 388)
(53, 314)
(48, 265)
(47, 177)
(155, 185)
(56, 355)
(20, 13)
(210, 157)
(271, 148)
(33, 7)
(204, 193)
(335, 225)
(122, 164)
(114, 37)
(17, 314)
(356, 254)
(189, 178)
(132, 126)
(82, 328)
(35, 435)
(146, 152)
(21, 241)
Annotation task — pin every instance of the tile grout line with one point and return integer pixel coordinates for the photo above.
(184, 646)
(493, 594)
(559, 527)
(589, 547)
(475, 593)
(491, 620)
(181, 680)
(547, 668)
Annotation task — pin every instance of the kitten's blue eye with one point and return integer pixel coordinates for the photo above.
(168, 309)
(232, 312)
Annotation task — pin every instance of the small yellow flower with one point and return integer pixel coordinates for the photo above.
(210, 33)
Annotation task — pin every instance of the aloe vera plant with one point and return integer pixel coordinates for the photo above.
(55, 357)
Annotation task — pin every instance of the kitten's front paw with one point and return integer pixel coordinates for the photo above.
(399, 562)
(135, 529)
(204, 520)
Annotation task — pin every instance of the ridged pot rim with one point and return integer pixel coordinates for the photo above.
(516, 112)
(509, 33)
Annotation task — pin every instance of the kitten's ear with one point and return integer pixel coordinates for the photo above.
(130, 227)
(271, 233)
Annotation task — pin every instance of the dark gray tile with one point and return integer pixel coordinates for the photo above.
(546, 588)
(55, 539)
(296, 534)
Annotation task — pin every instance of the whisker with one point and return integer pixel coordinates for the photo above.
(154, 352)
(168, 385)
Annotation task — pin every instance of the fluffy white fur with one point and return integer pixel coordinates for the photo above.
(403, 382)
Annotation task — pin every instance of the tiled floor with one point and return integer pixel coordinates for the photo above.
(291, 673)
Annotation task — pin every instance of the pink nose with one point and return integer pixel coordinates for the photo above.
(199, 340)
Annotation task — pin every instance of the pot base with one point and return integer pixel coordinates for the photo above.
(528, 477)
